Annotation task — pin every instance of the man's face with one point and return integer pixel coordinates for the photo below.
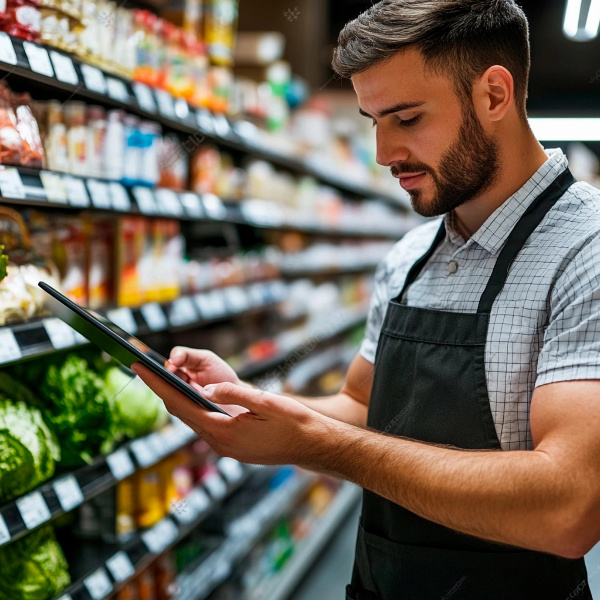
(433, 144)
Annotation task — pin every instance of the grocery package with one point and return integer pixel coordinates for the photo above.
(32, 150)
(70, 257)
(99, 261)
(134, 261)
(10, 139)
(23, 19)
(28, 450)
(33, 568)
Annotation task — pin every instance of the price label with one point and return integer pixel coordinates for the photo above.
(76, 192)
(123, 317)
(99, 193)
(7, 50)
(214, 207)
(156, 441)
(192, 205)
(54, 187)
(34, 510)
(169, 203)
(199, 499)
(68, 492)
(117, 90)
(120, 464)
(11, 185)
(60, 334)
(182, 110)
(154, 316)
(38, 58)
(80, 339)
(98, 584)
(165, 104)
(4, 533)
(222, 126)
(145, 200)
(144, 97)
(160, 536)
(215, 486)
(64, 68)
(94, 79)
(120, 197)
(231, 469)
(237, 299)
(120, 567)
(168, 531)
(206, 121)
(66, 597)
(9, 348)
(144, 453)
(183, 312)
(256, 294)
(216, 301)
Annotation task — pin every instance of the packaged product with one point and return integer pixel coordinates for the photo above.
(70, 257)
(205, 168)
(77, 138)
(56, 143)
(96, 131)
(167, 255)
(132, 248)
(149, 141)
(132, 151)
(220, 24)
(125, 510)
(32, 150)
(173, 162)
(150, 507)
(10, 139)
(100, 262)
(114, 145)
(23, 19)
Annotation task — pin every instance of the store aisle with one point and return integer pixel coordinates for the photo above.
(331, 572)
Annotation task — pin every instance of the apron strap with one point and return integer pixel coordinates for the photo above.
(520, 234)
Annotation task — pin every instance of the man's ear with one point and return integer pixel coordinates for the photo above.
(494, 93)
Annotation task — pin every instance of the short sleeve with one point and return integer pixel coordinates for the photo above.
(571, 349)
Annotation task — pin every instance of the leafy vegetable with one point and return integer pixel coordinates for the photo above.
(3, 263)
(78, 410)
(28, 450)
(33, 568)
(137, 410)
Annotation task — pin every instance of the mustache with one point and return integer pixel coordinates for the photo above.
(398, 170)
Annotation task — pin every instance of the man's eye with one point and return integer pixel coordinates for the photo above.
(409, 122)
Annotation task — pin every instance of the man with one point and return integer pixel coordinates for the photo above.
(479, 374)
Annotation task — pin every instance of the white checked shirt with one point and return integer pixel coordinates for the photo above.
(545, 324)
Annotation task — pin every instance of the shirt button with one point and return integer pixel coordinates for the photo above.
(452, 267)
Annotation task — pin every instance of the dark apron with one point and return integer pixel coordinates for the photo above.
(430, 385)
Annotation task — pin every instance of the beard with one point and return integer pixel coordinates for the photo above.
(468, 168)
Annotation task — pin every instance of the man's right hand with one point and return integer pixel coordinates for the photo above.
(202, 366)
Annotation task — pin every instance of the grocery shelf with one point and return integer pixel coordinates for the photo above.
(73, 77)
(243, 535)
(68, 491)
(130, 558)
(308, 550)
(22, 186)
(41, 337)
(328, 271)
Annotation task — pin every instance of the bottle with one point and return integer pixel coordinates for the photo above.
(114, 148)
(96, 128)
(77, 138)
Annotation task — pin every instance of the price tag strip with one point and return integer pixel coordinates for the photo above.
(145, 200)
(214, 207)
(99, 193)
(144, 97)
(94, 79)
(68, 492)
(232, 469)
(60, 334)
(98, 584)
(39, 61)
(183, 312)
(237, 299)
(169, 203)
(144, 453)
(120, 464)
(34, 510)
(120, 197)
(165, 104)
(162, 535)
(7, 50)
(120, 567)
(215, 485)
(192, 205)
(64, 68)
(154, 316)
(9, 348)
(123, 317)
(11, 184)
(54, 187)
(117, 90)
(4, 532)
(76, 192)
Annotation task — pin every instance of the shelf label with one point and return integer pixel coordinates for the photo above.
(68, 492)
(64, 68)
(165, 104)
(76, 192)
(120, 464)
(182, 110)
(215, 485)
(98, 584)
(222, 126)
(157, 443)
(216, 300)
(60, 334)
(192, 204)
(123, 317)
(183, 312)
(256, 293)
(54, 187)
(7, 50)
(237, 299)
(9, 348)
(94, 79)
(144, 97)
(154, 316)
(80, 339)
(163, 534)
(120, 197)
(66, 597)
(205, 121)
(99, 193)
(120, 567)
(169, 203)
(145, 200)
(231, 469)
(11, 185)
(144, 453)
(34, 510)
(38, 58)
(4, 532)
(199, 499)
(214, 207)
(117, 90)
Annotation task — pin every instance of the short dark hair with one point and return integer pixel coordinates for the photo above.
(460, 37)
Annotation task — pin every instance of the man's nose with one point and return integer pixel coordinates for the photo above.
(390, 148)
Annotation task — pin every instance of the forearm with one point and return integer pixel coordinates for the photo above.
(517, 498)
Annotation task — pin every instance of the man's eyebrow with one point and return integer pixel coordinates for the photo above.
(393, 109)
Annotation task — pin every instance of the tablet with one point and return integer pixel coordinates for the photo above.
(118, 343)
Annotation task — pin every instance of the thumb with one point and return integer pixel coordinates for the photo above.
(229, 393)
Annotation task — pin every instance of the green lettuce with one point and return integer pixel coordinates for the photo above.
(33, 568)
(3, 263)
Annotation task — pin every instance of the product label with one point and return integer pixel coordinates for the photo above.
(117, 90)
(38, 58)
(29, 17)
(120, 464)
(154, 316)
(64, 68)
(54, 187)
(34, 510)
(99, 194)
(123, 317)
(98, 584)
(11, 184)
(60, 334)
(145, 200)
(4, 533)
(7, 50)
(94, 79)
(120, 567)
(9, 348)
(68, 492)
(144, 97)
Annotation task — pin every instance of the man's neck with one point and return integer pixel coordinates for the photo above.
(515, 170)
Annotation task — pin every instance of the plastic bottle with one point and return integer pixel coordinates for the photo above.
(114, 145)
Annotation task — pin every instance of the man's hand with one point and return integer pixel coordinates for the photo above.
(202, 366)
(265, 429)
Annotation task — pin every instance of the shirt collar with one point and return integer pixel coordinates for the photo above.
(493, 233)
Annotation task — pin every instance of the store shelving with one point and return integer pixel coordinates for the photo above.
(73, 77)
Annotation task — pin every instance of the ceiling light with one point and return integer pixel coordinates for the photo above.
(582, 20)
(593, 21)
(566, 130)
(572, 14)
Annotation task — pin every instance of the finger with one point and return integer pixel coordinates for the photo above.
(189, 358)
(228, 393)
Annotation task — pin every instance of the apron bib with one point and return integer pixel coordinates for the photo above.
(430, 385)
